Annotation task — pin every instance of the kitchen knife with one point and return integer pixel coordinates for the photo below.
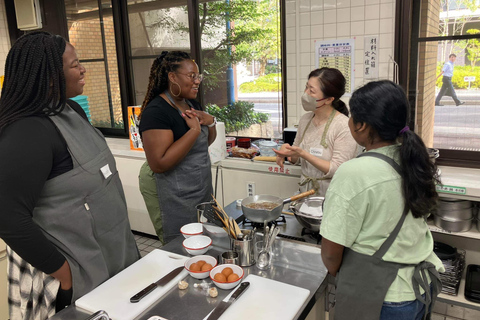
(163, 281)
(220, 309)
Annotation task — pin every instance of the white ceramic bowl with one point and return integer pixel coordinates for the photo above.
(200, 274)
(227, 285)
(196, 245)
(191, 229)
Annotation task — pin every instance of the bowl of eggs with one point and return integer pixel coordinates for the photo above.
(199, 267)
(197, 245)
(191, 229)
(226, 276)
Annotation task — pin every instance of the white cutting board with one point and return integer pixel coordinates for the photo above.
(266, 299)
(114, 295)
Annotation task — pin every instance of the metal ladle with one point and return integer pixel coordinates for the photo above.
(263, 260)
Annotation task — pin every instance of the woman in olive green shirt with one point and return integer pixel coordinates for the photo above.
(366, 198)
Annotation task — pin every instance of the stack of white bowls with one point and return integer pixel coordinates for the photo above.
(454, 215)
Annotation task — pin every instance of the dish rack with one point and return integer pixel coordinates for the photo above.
(453, 273)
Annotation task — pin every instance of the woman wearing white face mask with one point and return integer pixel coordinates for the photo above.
(323, 141)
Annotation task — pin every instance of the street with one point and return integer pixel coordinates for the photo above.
(455, 127)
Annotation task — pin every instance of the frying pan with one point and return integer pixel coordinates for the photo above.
(262, 215)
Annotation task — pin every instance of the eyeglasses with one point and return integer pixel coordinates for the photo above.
(193, 76)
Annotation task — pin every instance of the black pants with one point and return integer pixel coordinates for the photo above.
(447, 89)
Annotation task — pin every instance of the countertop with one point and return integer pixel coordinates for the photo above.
(294, 263)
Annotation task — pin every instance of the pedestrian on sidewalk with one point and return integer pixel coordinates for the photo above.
(447, 86)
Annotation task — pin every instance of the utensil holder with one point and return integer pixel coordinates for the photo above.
(244, 248)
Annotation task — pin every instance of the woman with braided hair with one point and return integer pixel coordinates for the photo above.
(176, 133)
(64, 216)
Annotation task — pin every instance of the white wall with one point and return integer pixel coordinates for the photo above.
(310, 20)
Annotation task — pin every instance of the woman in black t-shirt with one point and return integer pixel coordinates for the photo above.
(176, 134)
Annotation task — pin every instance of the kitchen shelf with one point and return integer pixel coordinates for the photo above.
(459, 299)
(472, 233)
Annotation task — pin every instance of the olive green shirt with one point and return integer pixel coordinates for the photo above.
(362, 207)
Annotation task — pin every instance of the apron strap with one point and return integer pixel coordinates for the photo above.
(323, 142)
(391, 238)
(420, 280)
(313, 181)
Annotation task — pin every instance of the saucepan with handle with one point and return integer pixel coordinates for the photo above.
(266, 207)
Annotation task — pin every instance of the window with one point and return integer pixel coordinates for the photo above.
(155, 27)
(236, 44)
(91, 31)
(448, 103)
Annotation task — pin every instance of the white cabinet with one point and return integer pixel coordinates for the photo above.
(3, 281)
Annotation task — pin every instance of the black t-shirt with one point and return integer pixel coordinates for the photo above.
(159, 114)
(32, 152)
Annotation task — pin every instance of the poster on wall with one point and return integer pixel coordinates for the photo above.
(337, 54)
(134, 133)
(370, 58)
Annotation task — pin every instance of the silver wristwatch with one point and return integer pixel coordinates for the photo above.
(214, 123)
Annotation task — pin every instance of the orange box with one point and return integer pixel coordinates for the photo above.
(133, 128)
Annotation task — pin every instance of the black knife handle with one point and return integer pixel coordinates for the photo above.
(241, 289)
(139, 296)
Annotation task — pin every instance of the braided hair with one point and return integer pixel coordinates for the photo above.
(158, 82)
(34, 82)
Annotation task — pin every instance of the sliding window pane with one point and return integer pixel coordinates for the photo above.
(241, 52)
(98, 54)
(155, 26)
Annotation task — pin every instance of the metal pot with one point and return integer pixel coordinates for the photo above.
(261, 215)
(454, 204)
(309, 212)
(453, 225)
(462, 214)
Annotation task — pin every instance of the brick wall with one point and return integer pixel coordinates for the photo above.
(86, 36)
(427, 63)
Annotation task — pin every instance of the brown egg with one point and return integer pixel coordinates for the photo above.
(220, 277)
(227, 271)
(206, 267)
(194, 267)
(233, 277)
(200, 263)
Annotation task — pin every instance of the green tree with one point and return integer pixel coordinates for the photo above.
(254, 34)
(473, 48)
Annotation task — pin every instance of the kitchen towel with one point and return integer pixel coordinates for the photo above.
(218, 149)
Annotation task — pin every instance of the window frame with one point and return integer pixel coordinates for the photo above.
(407, 34)
(119, 11)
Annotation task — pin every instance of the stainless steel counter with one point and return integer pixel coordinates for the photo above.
(294, 262)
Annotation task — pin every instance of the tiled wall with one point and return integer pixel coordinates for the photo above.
(4, 38)
(310, 20)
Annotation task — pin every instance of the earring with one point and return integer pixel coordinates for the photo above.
(179, 88)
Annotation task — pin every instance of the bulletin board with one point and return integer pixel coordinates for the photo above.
(337, 54)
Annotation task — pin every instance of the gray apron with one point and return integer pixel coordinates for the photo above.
(83, 212)
(363, 280)
(183, 187)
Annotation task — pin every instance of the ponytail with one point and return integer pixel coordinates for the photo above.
(340, 106)
(419, 175)
(383, 105)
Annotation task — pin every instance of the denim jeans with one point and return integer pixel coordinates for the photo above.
(407, 310)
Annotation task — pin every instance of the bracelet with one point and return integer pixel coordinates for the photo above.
(213, 124)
